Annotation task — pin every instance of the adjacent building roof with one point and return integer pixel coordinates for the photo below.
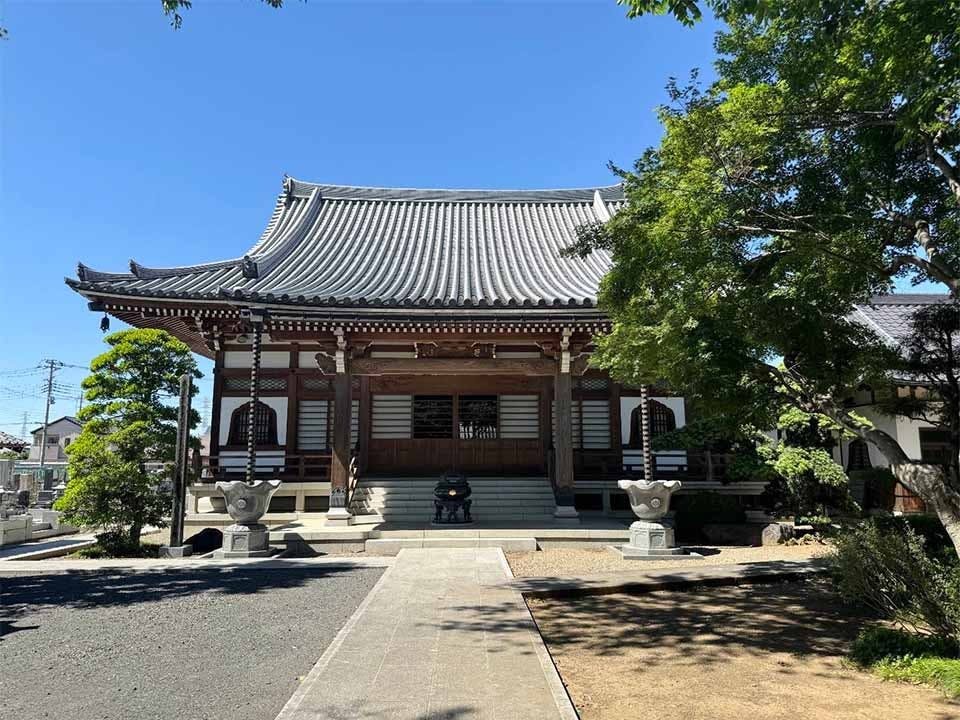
(890, 316)
(65, 418)
(335, 245)
(8, 441)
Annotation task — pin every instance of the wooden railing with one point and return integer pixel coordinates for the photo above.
(692, 466)
(301, 467)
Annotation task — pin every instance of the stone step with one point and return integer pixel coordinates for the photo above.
(391, 546)
(421, 517)
(496, 499)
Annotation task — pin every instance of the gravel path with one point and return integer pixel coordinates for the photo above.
(199, 644)
(564, 561)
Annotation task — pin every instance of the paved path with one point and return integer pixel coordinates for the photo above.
(441, 637)
(73, 565)
(65, 543)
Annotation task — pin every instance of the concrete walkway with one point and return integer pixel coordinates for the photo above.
(442, 636)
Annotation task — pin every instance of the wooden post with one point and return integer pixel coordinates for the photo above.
(175, 548)
(181, 462)
(338, 514)
(215, 413)
(563, 466)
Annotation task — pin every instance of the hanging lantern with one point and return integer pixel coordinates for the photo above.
(104, 323)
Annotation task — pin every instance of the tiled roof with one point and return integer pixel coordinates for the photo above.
(890, 315)
(356, 246)
(11, 441)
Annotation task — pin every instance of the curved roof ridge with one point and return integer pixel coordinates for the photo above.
(908, 299)
(300, 188)
(88, 274)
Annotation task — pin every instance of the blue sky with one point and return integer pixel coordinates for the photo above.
(122, 138)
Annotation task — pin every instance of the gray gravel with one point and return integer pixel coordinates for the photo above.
(199, 644)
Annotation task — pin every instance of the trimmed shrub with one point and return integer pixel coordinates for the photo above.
(696, 510)
(888, 570)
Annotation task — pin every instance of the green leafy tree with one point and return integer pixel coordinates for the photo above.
(129, 426)
(819, 168)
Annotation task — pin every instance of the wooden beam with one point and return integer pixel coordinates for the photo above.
(453, 366)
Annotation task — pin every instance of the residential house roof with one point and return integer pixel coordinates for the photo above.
(68, 418)
(336, 245)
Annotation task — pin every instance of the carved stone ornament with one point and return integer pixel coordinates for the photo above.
(649, 501)
(247, 502)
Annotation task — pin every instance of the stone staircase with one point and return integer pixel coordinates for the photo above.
(495, 499)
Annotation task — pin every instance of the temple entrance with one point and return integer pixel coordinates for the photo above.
(478, 433)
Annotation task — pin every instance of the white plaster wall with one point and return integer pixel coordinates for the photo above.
(307, 359)
(229, 404)
(904, 430)
(244, 359)
(908, 435)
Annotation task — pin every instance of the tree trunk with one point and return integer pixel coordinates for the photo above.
(134, 538)
(926, 480)
(930, 483)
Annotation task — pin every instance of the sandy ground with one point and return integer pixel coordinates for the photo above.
(559, 562)
(754, 652)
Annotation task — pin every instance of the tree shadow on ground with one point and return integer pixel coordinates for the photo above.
(25, 594)
(708, 625)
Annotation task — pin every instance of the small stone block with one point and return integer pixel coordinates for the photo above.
(629, 553)
(175, 551)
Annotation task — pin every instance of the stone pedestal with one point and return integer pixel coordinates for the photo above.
(243, 541)
(566, 515)
(339, 517)
(651, 540)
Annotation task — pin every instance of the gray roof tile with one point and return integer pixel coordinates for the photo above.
(357, 246)
(890, 315)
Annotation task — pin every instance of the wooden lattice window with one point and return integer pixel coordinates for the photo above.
(478, 416)
(264, 425)
(432, 416)
(859, 456)
(662, 420)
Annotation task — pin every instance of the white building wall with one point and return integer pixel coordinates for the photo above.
(229, 404)
(244, 359)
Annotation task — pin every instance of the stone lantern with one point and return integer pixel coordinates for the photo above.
(651, 536)
(246, 502)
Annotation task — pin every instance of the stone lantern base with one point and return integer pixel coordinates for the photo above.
(653, 540)
(245, 541)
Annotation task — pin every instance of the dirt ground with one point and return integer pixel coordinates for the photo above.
(564, 561)
(753, 652)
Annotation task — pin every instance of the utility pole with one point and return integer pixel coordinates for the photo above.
(52, 367)
(23, 426)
